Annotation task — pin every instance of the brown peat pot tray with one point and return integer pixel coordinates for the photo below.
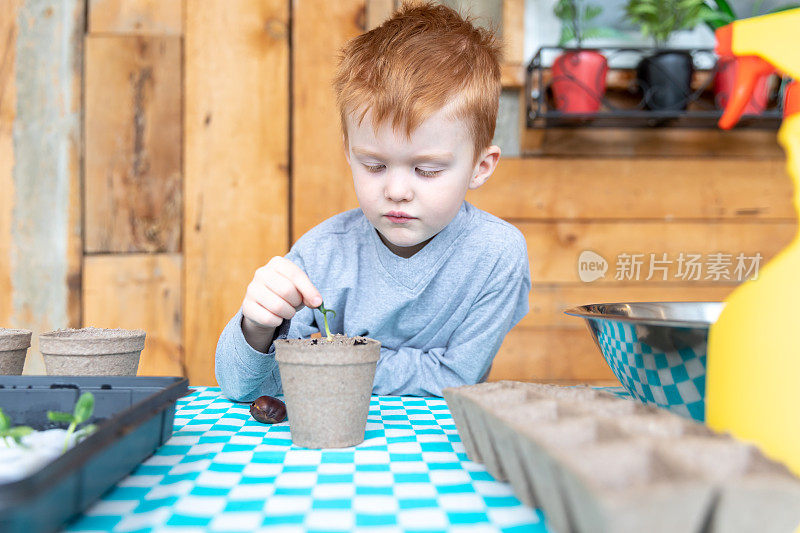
(595, 462)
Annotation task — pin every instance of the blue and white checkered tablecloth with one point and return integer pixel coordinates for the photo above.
(223, 471)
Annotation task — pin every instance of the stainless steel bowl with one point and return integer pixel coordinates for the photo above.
(657, 350)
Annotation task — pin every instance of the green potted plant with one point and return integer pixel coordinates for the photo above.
(718, 13)
(327, 385)
(579, 74)
(665, 76)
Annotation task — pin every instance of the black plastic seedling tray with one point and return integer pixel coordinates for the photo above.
(134, 416)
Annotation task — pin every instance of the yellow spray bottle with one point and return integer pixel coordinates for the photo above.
(753, 378)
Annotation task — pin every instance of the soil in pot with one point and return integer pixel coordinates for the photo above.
(327, 385)
(14, 344)
(92, 351)
(579, 81)
(665, 79)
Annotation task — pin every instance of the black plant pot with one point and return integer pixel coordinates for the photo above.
(665, 79)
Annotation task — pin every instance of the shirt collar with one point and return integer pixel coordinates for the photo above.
(415, 271)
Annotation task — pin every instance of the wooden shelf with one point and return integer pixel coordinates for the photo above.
(512, 75)
(655, 142)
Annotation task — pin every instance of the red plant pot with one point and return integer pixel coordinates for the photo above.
(724, 81)
(579, 81)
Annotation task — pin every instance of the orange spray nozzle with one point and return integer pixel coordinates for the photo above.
(724, 35)
(748, 70)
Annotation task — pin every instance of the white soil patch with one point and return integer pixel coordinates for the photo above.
(37, 449)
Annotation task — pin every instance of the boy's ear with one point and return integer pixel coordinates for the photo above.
(485, 166)
(346, 149)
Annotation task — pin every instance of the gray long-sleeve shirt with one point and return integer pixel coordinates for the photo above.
(440, 314)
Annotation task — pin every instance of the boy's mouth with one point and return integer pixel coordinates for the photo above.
(398, 217)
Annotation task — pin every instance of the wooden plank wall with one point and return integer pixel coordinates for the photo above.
(212, 142)
(133, 182)
(186, 182)
(40, 162)
(8, 110)
(566, 206)
(237, 161)
(321, 181)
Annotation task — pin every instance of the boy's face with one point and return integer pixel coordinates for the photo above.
(422, 180)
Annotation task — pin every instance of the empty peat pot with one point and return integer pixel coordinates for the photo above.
(92, 351)
(14, 344)
(327, 387)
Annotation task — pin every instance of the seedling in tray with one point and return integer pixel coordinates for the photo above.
(80, 414)
(14, 433)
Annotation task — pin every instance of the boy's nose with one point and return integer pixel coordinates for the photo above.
(398, 187)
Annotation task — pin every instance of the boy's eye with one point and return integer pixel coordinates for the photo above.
(428, 173)
(421, 171)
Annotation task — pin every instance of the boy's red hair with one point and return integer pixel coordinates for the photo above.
(424, 57)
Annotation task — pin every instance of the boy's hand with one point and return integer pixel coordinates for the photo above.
(279, 289)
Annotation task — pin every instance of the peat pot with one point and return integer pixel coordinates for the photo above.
(14, 344)
(327, 387)
(92, 351)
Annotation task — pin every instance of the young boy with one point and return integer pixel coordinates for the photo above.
(437, 281)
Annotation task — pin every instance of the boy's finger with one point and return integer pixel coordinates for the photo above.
(284, 288)
(264, 297)
(256, 313)
(310, 294)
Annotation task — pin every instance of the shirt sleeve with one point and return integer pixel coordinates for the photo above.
(468, 357)
(244, 373)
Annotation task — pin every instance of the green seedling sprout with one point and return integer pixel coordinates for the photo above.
(83, 410)
(325, 319)
(14, 433)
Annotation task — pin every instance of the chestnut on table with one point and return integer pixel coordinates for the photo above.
(268, 410)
